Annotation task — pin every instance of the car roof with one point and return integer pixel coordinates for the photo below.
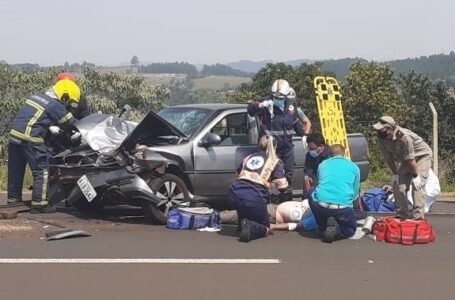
(213, 106)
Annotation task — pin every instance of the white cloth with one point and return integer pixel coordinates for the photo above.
(359, 233)
(305, 145)
(417, 182)
(432, 190)
(266, 103)
(394, 179)
(55, 130)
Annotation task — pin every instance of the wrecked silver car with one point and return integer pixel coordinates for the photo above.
(114, 165)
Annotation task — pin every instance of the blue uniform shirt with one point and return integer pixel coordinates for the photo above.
(36, 116)
(282, 126)
(250, 193)
(338, 181)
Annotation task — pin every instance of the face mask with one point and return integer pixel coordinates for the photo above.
(278, 103)
(313, 153)
(382, 135)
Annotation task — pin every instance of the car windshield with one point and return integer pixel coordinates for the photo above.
(187, 120)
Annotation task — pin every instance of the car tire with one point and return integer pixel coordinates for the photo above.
(172, 192)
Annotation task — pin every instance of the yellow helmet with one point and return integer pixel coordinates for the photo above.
(67, 90)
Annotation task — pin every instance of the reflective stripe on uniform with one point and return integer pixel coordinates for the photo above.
(66, 118)
(38, 113)
(281, 183)
(19, 135)
(26, 136)
(253, 177)
(39, 203)
(41, 99)
(44, 189)
(266, 173)
(279, 132)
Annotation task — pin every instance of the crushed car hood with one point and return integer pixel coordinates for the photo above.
(105, 133)
(151, 126)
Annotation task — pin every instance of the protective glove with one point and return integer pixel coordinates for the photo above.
(266, 103)
(76, 136)
(418, 184)
(394, 179)
(305, 145)
(308, 178)
(55, 130)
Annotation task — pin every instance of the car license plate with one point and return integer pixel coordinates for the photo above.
(86, 188)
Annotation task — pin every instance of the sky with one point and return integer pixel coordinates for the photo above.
(51, 32)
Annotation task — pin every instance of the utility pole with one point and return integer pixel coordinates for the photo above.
(435, 138)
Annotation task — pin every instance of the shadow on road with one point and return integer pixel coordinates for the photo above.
(229, 230)
(116, 214)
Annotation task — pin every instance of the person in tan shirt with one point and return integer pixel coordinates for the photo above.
(410, 159)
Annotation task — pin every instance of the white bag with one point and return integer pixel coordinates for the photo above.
(432, 190)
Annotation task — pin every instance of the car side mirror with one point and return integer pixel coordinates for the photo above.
(210, 139)
(125, 113)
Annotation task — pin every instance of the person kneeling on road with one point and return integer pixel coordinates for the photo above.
(332, 199)
(248, 194)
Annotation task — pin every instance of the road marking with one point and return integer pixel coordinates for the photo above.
(136, 261)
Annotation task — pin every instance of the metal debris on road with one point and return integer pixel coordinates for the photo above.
(70, 233)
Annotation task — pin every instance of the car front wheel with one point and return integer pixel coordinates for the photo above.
(172, 192)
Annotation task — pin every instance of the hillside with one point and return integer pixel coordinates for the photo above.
(438, 66)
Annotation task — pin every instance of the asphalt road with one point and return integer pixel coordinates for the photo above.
(306, 268)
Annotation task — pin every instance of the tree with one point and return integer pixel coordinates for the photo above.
(135, 61)
(370, 92)
(222, 70)
(106, 92)
(135, 64)
(300, 78)
(109, 92)
(171, 68)
(16, 85)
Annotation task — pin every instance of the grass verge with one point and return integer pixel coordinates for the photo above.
(28, 180)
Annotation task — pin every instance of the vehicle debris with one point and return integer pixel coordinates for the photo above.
(63, 234)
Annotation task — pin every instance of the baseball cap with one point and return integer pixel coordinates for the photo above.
(384, 122)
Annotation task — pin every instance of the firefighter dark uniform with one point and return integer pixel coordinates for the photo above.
(249, 193)
(282, 125)
(26, 146)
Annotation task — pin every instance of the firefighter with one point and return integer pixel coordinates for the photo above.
(249, 193)
(83, 109)
(279, 119)
(40, 114)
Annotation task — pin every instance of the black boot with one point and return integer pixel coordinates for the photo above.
(37, 209)
(330, 231)
(251, 231)
(15, 202)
